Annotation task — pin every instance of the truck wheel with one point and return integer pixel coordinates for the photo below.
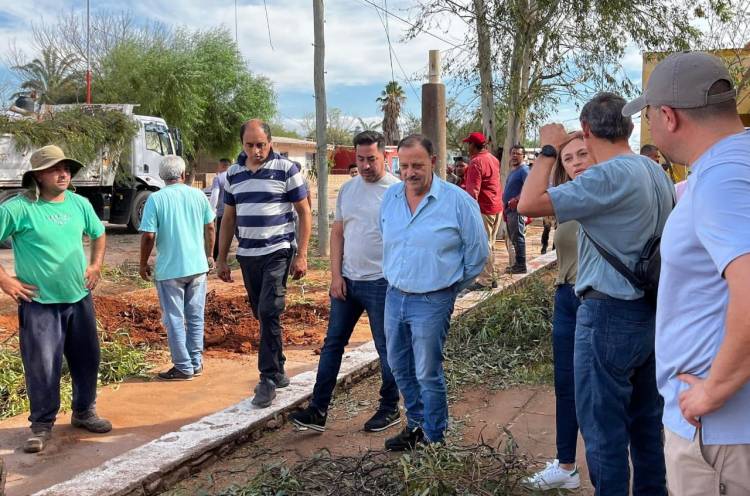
(136, 210)
(4, 197)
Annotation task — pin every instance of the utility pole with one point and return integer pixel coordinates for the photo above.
(321, 157)
(434, 112)
(484, 49)
(88, 53)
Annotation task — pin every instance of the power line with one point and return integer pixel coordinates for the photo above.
(268, 25)
(421, 30)
(388, 37)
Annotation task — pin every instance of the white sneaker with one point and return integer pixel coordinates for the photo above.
(553, 477)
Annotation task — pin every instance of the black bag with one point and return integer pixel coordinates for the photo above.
(645, 276)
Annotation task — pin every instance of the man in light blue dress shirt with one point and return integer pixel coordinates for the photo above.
(434, 245)
(702, 323)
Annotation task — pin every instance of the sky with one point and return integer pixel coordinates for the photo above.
(357, 55)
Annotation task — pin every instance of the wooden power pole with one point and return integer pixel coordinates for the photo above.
(434, 112)
(484, 48)
(321, 157)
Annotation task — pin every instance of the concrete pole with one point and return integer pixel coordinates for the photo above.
(434, 112)
(321, 156)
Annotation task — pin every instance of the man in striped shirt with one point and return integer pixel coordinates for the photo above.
(261, 194)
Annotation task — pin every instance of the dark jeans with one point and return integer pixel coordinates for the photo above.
(617, 402)
(217, 238)
(360, 296)
(517, 232)
(563, 343)
(47, 332)
(545, 236)
(265, 281)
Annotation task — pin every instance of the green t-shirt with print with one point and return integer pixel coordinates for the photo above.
(48, 245)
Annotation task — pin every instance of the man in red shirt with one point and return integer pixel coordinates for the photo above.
(482, 182)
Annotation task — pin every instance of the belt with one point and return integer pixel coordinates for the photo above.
(407, 293)
(594, 295)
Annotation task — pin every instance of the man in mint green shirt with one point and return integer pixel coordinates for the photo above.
(52, 287)
(180, 220)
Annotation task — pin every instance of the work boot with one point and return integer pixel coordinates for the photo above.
(382, 420)
(91, 422)
(265, 392)
(37, 441)
(309, 418)
(281, 380)
(407, 439)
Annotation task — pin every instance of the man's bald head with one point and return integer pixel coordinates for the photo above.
(257, 123)
(256, 141)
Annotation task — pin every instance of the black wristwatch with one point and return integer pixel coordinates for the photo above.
(548, 151)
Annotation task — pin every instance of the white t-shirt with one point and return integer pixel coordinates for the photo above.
(358, 207)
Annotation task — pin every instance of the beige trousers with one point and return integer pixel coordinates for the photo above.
(491, 226)
(695, 469)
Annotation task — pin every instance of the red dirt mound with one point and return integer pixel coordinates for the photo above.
(229, 325)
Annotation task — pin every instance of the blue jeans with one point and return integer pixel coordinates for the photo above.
(563, 342)
(360, 296)
(182, 302)
(416, 326)
(47, 332)
(617, 402)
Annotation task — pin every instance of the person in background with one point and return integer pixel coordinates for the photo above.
(217, 198)
(178, 219)
(562, 473)
(651, 152)
(353, 171)
(516, 223)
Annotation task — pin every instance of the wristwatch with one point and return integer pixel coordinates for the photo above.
(548, 151)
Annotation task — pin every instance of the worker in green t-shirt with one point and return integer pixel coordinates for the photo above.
(52, 286)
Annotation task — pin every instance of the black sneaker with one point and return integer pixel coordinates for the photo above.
(174, 374)
(407, 439)
(281, 380)
(198, 371)
(515, 270)
(265, 392)
(309, 418)
(382, 420)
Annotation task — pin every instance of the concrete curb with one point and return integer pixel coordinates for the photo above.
(158, 465)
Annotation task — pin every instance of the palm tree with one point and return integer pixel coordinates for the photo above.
(53, 77)
(391, 100)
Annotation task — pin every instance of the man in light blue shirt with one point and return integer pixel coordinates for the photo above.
(434, 245)
(621, 202)
(702, 324)
(179, 219)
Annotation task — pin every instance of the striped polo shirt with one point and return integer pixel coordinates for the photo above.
(264, 203)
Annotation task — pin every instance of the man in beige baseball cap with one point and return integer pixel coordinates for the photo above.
(702, 350)
(52, 286)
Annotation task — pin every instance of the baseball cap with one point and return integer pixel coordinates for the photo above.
(682, 81)
(475, 138)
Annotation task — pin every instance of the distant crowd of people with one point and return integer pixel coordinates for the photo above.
(650, 335)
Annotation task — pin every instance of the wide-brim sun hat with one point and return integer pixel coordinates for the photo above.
(47, 157)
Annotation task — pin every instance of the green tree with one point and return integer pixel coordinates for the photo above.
(195, 80)
(391, 100)
(51, 76)
(340, 127)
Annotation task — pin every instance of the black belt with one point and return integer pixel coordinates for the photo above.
(594, 295)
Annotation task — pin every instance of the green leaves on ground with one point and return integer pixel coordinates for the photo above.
(120, 359)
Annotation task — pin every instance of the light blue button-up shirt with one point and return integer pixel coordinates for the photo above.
(441, 244)
(709, 228)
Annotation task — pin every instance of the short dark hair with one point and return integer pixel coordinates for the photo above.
(716, 110)
(417, 140)
(518, 146)
(603, 115)
(458, 159)
(265, 127)
(225, 161)
(351, 166)
(368, 138)
(648, 148)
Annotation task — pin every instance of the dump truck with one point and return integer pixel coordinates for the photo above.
(117, 186)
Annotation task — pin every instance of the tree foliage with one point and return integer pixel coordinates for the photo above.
(52, 77)
(195, 80)
(340, 129)
(391, 100)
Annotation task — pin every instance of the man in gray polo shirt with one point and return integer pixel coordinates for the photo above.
(702, 323)
(621, 202)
